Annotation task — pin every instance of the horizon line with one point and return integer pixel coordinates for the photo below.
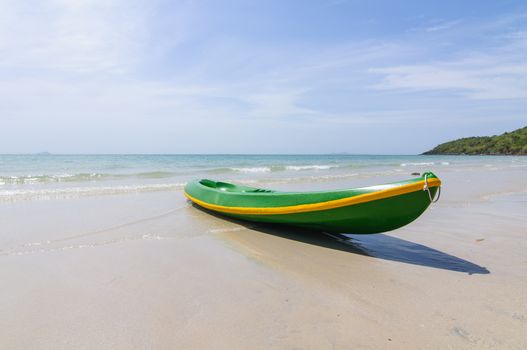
(205, 154)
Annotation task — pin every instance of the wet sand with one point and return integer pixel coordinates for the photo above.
(151, 271)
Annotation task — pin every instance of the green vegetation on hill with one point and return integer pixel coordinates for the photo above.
(509, 143)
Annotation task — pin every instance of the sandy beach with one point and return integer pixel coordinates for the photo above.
(110, 109)
(151, 271)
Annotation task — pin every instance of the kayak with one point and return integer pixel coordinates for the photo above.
(364, 210)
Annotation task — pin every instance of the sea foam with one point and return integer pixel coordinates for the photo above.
(74, 192)
(417, 163)
(310, 167)
(264, 169)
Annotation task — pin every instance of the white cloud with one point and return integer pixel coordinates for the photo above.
(483, 82)
(71, 36)
(442, 25)
(499, 72)
(106, 40)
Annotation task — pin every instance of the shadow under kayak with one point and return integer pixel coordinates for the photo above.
(363, 210)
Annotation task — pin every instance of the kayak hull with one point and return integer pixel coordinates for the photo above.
(360, 211)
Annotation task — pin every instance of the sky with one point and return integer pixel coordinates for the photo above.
(361, 77)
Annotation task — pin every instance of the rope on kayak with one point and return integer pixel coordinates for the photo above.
(426, 188)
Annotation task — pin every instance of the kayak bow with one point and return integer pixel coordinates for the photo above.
(363, 210)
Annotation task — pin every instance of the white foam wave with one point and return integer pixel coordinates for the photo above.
(310, 167)
(41, 178)
(264, 169)
(417, 163)
(287, 180)
(267, 169)
(74, 192)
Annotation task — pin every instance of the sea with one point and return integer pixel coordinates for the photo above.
(46, 176)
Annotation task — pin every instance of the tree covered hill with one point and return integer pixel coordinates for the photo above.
(509, 143)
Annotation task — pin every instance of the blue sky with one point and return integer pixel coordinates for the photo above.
(383, 77)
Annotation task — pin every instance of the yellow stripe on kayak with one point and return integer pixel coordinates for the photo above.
(337, 203)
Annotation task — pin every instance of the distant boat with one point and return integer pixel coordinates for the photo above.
(43, 154)
(362, 210)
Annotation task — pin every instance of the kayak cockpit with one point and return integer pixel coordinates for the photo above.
(228, 187)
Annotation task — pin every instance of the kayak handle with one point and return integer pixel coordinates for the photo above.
(426, 188)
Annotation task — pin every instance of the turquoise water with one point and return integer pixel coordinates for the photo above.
(40, 176)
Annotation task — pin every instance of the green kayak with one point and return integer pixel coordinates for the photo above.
(363, 210)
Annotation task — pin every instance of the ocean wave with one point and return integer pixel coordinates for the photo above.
(417, 163)
(264, 169)
(275, 168)
(330, 177)
(75, 192)
(270, 168)
(310, 167)
(287, 180)
(80, 177)
(153, 174)
(246, 170)
(32, 179)
(423, 163)
(324, 177)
